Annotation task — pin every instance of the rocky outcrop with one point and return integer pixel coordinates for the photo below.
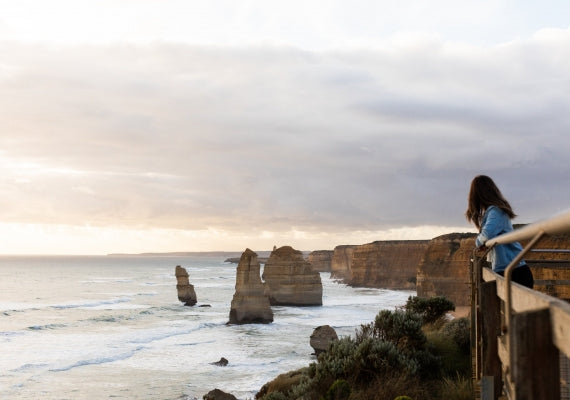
(444, 270)
(321, 260)
(322, 337)
(290, 279)
(250, 303)
(387, 264)
(222, 363)
(341, 262)
(218, 394)
(186, 292)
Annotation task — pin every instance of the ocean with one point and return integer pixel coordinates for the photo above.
(111, 327)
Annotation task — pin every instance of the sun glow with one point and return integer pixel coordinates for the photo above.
(18, 238)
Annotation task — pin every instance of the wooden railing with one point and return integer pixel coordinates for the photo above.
(520, 338)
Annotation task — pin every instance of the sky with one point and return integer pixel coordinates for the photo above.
(178, 125)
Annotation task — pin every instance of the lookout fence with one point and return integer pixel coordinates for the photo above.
(520, 338)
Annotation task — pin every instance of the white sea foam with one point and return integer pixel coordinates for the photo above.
(101, 335)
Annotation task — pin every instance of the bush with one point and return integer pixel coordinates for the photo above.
(339, 390)
(431, 309)
(390, 356)
(403, 329)
(459, 330)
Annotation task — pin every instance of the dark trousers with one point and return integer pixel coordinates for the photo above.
(522, 275)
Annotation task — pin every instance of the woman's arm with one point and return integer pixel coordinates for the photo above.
(492, 225)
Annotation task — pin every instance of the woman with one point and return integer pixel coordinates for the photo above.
(491, 213)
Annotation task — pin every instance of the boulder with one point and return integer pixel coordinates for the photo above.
(222, 363)
(290, 280)
(217, 394)
(250, 304)
(322, 337)
(186, 292)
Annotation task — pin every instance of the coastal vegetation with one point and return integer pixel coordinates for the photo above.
(413, 351)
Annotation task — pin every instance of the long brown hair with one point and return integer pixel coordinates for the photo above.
(483, 194)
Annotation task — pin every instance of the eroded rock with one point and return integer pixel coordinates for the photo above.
(218, 394)
(186, 292)
(322, 337)
(290, 279)
(250, 304)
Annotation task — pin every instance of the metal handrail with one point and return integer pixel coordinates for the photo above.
(558, 224)
(553, 226)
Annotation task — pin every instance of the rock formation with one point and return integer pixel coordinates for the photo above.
(341, 262)
(444, 270)
(387, 264)
(249, 304)
(218, 394)
(290, 280)
(322, 337)
(321, 260)
(186, 293)
(223, 362)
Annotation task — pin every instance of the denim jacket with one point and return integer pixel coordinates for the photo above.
(496, 222)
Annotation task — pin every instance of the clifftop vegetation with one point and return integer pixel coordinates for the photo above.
(413, 351)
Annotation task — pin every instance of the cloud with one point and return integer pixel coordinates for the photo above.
(279, 139)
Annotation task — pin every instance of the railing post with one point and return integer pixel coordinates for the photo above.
(535, 358)
(475, 278)
(491, 329)
(509, 297)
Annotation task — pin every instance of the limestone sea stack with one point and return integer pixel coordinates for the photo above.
(290, 280)
(250, 303)
(186, 292)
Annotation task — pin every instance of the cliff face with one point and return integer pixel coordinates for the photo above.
(549, 276)
(387, 264)
(341, 262)
(290, 280)
(321, 260)
(249, 304)
(444, 270)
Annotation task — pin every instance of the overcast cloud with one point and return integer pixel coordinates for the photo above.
(276, 137)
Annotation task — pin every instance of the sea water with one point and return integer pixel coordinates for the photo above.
(111, 327)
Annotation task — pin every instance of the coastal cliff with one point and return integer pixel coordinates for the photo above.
(321, 260)
(341, 262)
(549, 275)
(444, 269)
(387, 264)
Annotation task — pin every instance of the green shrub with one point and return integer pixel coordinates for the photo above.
(459, 330)
(275, 396)
(453, 360)
(389, 356)
(403, 329)
(431, 309)
(403, 398)
(339, 390)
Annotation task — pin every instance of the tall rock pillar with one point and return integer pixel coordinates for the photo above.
(249, 304)
(186, 292)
